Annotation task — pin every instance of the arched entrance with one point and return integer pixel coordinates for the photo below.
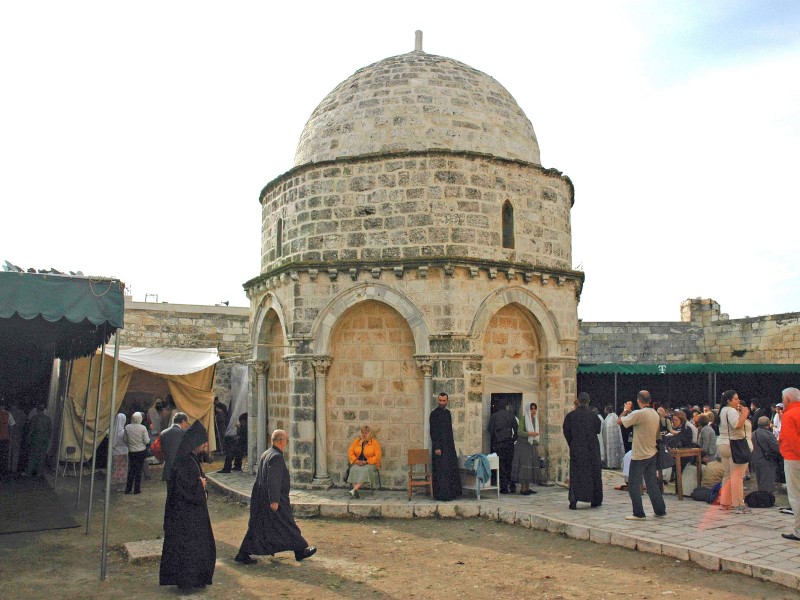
(373, 379)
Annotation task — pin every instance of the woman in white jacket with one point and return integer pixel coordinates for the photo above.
(137, 439)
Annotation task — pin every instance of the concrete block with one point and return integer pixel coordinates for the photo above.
(555, 526)
(648, 546)
(705, 560)
(367, 511)
(448, 511)
(539, 523)
(790, 580)
(334, 511)
(507, 515)
(577, 532)
(305, 510)
(736, 566)
(424, 511)
(489, 512)
(599, 536)
(143, 551)
(623, 540)
(675, 551)
(468, 511)
(397, 511)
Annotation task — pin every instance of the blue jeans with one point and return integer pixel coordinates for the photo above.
(645, 469)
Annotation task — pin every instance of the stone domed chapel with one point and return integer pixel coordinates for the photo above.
(417, 245)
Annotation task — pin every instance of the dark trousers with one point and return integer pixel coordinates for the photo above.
(135, 465)
(233, 454)
(645, 469)
(505, 452)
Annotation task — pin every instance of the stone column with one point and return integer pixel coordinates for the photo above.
(262, 369)
(321, 479)
(425, 363)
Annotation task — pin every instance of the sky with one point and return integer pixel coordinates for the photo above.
(135, 138)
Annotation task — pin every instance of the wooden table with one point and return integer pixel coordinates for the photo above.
(678, 454)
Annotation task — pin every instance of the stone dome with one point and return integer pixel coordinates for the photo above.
(417, 102)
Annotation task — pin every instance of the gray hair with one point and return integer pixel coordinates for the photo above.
(278, 435)
(763, 422)
(790, 395)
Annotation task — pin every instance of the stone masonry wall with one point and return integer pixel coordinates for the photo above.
(165, 325)
(704, 335)
(417, 206)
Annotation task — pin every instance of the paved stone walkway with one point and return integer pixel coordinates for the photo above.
(696, 531)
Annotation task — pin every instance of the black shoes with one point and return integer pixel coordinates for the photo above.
(224, 471)
(527, 492)
(245, 559)
(790, 536)
(573, 506)
(305, 553)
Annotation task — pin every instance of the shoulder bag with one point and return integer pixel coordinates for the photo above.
(740, 450)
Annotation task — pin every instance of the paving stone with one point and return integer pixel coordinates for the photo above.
(143, 551)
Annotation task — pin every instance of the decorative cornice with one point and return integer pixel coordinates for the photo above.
(373, 268)
(261, 367)
(321, 365)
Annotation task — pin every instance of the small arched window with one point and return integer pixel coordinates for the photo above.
(279, 238)
(508, 225)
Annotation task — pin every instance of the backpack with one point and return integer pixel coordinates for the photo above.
(700, 494)
(155, 449)
(760, 499)
(713, 494)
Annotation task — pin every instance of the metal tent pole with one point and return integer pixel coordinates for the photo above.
(104, 551)
(615, 394)
(64, 395)
(94, 438)
(83, 437)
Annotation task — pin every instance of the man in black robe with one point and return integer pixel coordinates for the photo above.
(189, 552)
(272, 527)
(581, 428)
(446, 478)
(170, 442)
(503, 427)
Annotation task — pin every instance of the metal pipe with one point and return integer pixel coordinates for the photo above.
(615, 394)
(64, 395)
(104, 550)
(94, 438)
(83, 436)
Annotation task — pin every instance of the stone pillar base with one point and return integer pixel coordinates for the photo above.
(321, 483)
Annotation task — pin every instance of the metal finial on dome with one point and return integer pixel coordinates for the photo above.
(417, 41)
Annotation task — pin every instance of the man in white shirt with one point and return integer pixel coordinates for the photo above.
(645, 423)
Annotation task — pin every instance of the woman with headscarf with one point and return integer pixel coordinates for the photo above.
(525, 464)
(189, 553)
(612, 438)
(119, 452)
(136, 439)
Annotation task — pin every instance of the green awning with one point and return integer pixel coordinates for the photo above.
(72, 314)
(683, 368)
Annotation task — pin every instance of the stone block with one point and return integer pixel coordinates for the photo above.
(305, 510)
(648, 546)
(507, 515)
(675, 551)
(397, 511)
(577, 532)
(468, 511)
(623, 540)
(448, 511)
(556, 526)
(143, 551)
(705, 559)
(489, 512)
(779, 576)
(539, 522)
(736, 566)
(334, 511)
(424, 511)
(367, 511)
(600, 536)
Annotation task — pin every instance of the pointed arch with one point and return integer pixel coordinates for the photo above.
(323, 325)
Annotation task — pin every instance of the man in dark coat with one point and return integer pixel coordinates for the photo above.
(272, 527)
(503, 427)
(446, 479)
(581, 427)
(171, 440)
(189, 552)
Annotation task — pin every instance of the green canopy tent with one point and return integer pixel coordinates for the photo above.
(65, 317)
(678, 379)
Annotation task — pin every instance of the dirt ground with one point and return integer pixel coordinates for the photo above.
(430, 558)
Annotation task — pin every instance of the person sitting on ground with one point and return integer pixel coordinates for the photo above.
(707, 439)
(365, 460)
(766, 455)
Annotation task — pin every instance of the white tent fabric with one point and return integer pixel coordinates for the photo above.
(168, 361)
(240, 384)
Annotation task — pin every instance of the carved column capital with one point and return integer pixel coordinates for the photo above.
(321, 365)
(261, 367)
(425, 363)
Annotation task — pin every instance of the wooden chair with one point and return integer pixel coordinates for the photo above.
(419, 457)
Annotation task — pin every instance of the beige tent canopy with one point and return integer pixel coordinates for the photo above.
(189, 373)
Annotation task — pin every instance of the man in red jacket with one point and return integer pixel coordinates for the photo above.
(790, 449)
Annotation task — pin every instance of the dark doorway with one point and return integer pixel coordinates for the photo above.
(499, 401)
